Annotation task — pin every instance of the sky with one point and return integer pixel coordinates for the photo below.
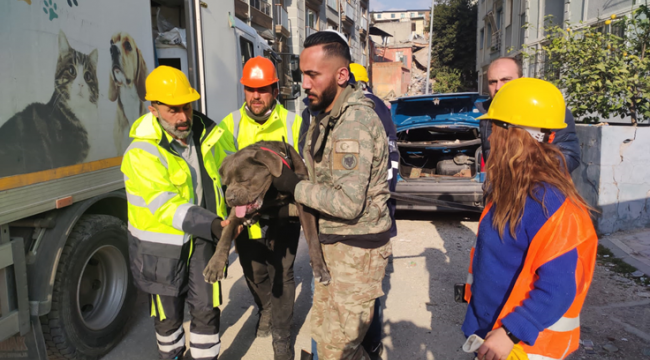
(381, 5)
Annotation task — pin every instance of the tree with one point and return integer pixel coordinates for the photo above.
(454, 42)
(602, 74)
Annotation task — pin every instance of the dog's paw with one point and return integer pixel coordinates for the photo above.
(322, 276)
(214, 272)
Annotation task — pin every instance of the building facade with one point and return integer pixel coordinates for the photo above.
(404, 25)
(506, 26)
(285, 24)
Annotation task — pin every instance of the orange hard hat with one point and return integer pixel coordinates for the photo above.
(258, 73)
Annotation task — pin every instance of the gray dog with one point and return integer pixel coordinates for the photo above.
(248, 175)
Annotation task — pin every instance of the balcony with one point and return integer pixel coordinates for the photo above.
(315, 4)
(281, 21)
(241, 10)
(261, 14)
(309, 31)
(363, 26)
(363, 60)
(495, 44)
(333, 4)
(348, 13)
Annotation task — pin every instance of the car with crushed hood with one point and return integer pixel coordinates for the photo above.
(441, 164)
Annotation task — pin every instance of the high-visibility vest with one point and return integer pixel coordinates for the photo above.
(281, 125)
(160, 192)
(569, 228)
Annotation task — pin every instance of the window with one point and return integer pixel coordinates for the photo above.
(246, 48)
(481, 39)
(522, 29)
(499, 18)
(378, 16)
(392, 16)
(412, 26)
(311, 20)
(413, 15)
(402, 15)
(489, 39)
(420, 13)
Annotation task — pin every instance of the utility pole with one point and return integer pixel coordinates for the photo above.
(428, 88)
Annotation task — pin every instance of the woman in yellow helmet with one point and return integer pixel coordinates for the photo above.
(536, 247)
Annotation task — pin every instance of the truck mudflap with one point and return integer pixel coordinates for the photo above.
(420, 200)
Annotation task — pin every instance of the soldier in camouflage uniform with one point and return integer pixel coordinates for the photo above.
(346, 154)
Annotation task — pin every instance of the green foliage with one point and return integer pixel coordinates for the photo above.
(447, 80)
(602, 74)
(454, 45)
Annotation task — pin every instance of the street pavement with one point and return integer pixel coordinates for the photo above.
(421, 319)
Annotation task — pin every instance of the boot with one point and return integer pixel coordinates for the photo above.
(264, 324)
(282, 347)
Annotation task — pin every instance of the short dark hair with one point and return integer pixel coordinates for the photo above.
(333, 44)
(517, 62)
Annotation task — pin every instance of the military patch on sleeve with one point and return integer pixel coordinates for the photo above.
(349, 161)
(346, 147)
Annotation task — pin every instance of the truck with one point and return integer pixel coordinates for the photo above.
(73, 82)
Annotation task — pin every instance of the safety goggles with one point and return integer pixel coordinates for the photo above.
(539, 134)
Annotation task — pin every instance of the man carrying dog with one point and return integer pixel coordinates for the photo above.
(175, 208)
(347, 157)
(267, 250)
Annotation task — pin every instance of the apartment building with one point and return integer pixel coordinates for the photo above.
(394, 22)
(286, 24)
(501, 30)
(349, 17)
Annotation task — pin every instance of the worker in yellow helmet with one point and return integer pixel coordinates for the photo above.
(176, 211)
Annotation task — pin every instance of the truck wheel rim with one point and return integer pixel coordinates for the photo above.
(102, 287)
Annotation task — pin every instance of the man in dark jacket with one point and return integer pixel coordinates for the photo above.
(505, 69)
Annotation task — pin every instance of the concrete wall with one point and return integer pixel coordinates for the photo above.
(401, 32)
(614, 176)
(390, 76)
(390, 54)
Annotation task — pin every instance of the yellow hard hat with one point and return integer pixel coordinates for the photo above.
(360, 73)
(170, 86)
(528, 102)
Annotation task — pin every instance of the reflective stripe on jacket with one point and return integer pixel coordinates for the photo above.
(161, 210)
(569, 228)
(245, 131)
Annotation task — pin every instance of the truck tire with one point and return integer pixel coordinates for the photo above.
(93, 295)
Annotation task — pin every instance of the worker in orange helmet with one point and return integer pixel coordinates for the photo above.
(267, 250)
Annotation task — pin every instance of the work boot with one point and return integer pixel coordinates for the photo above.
(282, 349)
(264, 324)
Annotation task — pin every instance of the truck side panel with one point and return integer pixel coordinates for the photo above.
(72, 76)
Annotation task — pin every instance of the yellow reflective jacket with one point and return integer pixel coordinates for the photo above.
(245, 131)
(162, 215)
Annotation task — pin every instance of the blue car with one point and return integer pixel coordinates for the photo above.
(440, 151)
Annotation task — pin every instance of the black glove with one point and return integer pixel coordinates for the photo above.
(216, 229)
(287, 181)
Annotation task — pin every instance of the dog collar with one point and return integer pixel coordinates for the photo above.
(282, 158)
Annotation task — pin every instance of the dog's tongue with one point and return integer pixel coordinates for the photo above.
(240, 211)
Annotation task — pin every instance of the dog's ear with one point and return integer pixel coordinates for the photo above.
(113, 90)
(272, 161)
(141, 76)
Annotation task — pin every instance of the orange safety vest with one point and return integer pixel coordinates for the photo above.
(569, 228)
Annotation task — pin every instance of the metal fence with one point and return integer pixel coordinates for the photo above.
(364, 23)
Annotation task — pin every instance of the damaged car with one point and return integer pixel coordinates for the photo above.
(441, 165)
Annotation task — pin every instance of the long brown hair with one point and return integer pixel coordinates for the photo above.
(517, 166)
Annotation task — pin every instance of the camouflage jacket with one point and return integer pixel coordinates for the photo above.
(349, 185)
